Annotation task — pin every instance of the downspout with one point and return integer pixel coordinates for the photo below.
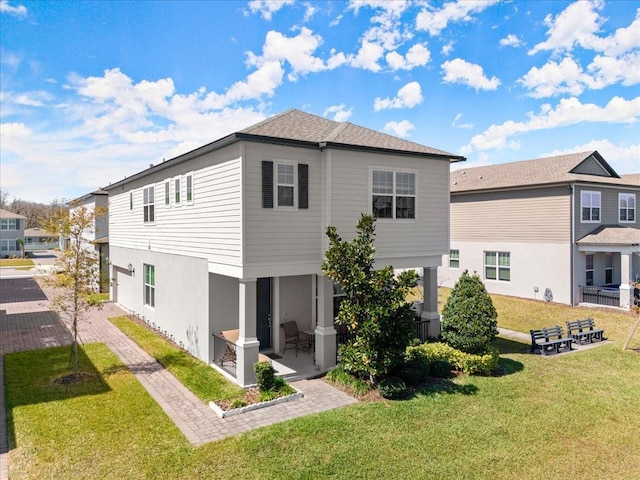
(572, 240)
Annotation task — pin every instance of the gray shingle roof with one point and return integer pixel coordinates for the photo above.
(8, 214)
(541, 171)
(305, 127)
(614, 235)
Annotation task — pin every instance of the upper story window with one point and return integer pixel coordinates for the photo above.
(9, 224)
(177, 190)
(497, 266)
(285, 185)
(454, 258)
(590, 207)
(189, 187)
(393, 194)
(8, 245)
(167, 192)
(627, 207)
(148, 203)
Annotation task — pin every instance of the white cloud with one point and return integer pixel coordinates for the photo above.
(340, 114)
(569, 111)
(19, 11)
(455, 123)
(408, 97)
(447, 49)
(417, 56)
(268, 7)
(510, 40)
(399, 129)
(309, 12)
(555, 78)
(367, 57)
(623, 159)
(609, 70)
(436, 20)
(460, 71)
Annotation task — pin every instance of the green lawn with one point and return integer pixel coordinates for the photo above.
(573, 416)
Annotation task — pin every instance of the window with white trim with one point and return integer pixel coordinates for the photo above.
(189, 188)
(608, 268)
(627, 207)
(148, 204)
(285, 185)
(9, 224)
(589, 270)
(590, 207)
(177, 190)
(167, 192)
(9, 245)
(149, 285)
(393, 194)
(454, 258)
(497, 266)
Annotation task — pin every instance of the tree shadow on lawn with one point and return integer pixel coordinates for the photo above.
(436, 386)
(505, 346)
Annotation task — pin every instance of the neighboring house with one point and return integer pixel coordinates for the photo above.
(231, 236)
(98, 238)
(11, 233)
(39, 239)
(562, 229)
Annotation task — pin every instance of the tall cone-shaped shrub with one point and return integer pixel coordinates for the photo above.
(469, 319)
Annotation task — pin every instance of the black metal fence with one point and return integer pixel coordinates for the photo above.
(421, 327)
(608, 296)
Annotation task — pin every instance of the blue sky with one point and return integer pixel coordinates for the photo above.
(93, 91)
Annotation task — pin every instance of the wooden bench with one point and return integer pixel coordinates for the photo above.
(550, 340)
(584, 331)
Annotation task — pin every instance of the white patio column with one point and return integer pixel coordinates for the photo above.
(626, 267)
(430, 298)
(247, 344)
(325, 333)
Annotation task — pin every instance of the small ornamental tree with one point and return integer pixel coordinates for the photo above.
(469, 317)
(374, 311)
(77, 269)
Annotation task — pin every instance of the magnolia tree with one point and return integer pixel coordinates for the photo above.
(375, 313)
(77, 269)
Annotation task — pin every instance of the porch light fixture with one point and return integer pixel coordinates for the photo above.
(131, 269)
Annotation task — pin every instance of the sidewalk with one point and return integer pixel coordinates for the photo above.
(26, 323)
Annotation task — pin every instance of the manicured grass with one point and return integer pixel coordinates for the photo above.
(16, 262)
(197, 376)
(99, 297)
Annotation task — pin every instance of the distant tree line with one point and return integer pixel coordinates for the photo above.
(38, 214)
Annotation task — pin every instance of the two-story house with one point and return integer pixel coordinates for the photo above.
(11, 233)
(232, 235)
(97, 237)
(562, 229)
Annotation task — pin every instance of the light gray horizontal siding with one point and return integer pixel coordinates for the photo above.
(210, 227)
(281, 235)
(590, 166)
(541, 215)
(427, 235)
(609, 214)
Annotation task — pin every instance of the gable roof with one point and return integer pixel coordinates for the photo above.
(300, 129)
(8, 214)
(561, 169)
(37, 232)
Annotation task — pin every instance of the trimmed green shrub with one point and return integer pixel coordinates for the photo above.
(442, 357)
(469, 319)
(414, 372)
(265, 376)
(392, 388)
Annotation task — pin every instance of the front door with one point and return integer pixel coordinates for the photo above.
(263, 314)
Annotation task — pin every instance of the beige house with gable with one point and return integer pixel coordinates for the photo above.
(230, 237)
(562, 229)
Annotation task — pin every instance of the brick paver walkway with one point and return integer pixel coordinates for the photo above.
(26, 323)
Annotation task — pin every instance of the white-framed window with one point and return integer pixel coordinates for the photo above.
(497, 266)
(589, 270)
(627, 207)
(393, 194)
(167, 193)
(454, 258)
(285, 185)
(590, 207)
(9, 224)
(189, 188)
(8, 245)
(148, 203)
(149, 285)
(608, 268)
(177, 190)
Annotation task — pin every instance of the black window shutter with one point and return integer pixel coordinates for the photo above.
(267, 184)
(303, 185)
